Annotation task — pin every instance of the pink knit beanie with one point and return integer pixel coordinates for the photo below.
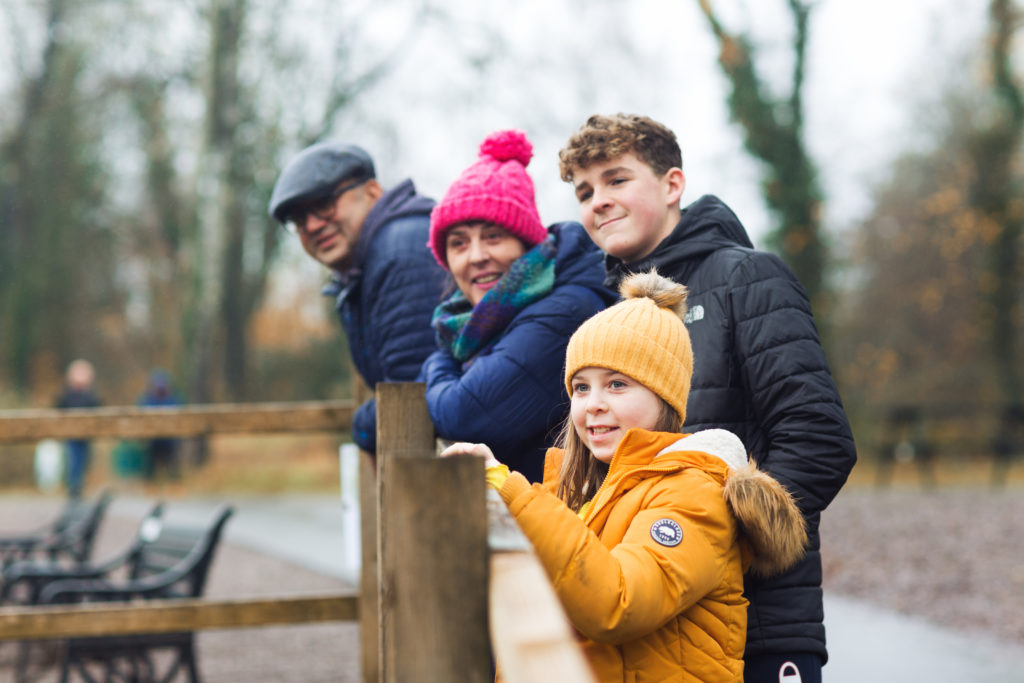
(495, 189)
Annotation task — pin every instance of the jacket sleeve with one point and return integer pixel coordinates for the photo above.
(364, 426)
(509, 393)
(402, 283)
(405, 288)
(810, 445)
(406, 291)
(618, 594)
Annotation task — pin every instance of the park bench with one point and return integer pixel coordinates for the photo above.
(168, 563)
(68, 538)
(23, 581)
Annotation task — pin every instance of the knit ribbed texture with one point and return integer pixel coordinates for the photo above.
(496, 189)
(641, 340)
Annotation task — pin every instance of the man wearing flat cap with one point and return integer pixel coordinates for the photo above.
(385, 280)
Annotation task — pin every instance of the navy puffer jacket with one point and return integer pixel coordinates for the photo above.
(385, 302)
(760, 372)
(511, 395)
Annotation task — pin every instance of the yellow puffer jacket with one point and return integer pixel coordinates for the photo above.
(652, 577)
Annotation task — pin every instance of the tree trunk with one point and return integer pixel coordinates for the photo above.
(996, 194)
(217, 209)
(774, 134)
(20, 288)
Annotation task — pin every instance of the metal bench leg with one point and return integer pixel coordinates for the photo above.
(80, 665)
(21, 661)
(173, 669)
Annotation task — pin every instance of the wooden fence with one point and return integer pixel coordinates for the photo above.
(446, 575)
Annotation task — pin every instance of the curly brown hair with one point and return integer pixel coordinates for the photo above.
(608, 137)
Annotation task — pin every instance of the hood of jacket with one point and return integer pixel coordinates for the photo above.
(706, 225)
(578, 259)
(401, 200)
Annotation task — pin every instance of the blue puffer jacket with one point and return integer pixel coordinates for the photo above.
(511, 395)
(385, 302)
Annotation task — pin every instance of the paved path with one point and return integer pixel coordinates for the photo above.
(866, 643)
(304, 530)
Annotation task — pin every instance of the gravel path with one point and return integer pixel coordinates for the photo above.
(953, 556)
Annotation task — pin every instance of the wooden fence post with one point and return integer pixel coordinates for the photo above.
(369, 624)
(433, 558)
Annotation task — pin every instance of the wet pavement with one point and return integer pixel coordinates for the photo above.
(867, 643)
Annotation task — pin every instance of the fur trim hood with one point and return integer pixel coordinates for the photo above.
(766, 512)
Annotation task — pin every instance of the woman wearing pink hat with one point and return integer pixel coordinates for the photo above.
(521, 290)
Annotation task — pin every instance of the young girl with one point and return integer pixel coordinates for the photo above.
(644, 532)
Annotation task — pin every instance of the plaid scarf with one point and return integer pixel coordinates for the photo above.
(464, 330)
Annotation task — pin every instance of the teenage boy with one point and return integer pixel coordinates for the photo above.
(760, 369)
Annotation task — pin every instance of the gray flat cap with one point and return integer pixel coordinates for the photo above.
(315, 172)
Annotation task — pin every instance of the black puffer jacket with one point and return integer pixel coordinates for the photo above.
(760, 372)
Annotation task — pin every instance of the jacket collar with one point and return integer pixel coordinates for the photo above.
(714, 451)
(705, 226)
(397, 202)
(719, 443)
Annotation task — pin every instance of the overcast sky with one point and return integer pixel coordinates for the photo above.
(868, 60)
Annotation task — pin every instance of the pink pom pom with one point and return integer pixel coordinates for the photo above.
(505, 145)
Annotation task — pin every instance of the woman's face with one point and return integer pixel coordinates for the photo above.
(605, 404)
(479, 254)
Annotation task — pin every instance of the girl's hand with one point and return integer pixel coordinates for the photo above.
(477, 449)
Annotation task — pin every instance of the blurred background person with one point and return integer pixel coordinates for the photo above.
(78, 392)
(162, 453)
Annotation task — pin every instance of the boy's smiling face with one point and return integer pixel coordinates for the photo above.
(627, 209)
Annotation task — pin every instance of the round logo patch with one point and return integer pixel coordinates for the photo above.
(667, 532)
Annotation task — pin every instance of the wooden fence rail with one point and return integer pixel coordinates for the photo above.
(169, 616)
(131, 422)
(446, 575)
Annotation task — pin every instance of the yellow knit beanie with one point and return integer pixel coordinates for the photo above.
(642, 336)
